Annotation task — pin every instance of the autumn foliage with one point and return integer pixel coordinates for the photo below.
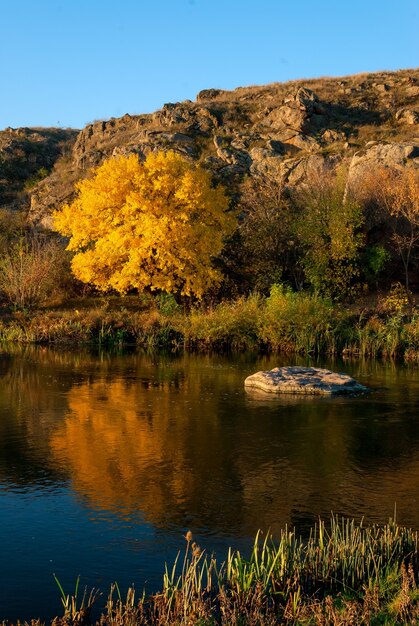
(395, 193)
(155, 224)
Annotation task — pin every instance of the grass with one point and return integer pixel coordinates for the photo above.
(344, 574)
(96, 325)
(284, 322)
(77, 610)
(229, 325)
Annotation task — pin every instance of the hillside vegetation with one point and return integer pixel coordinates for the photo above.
(282, 125)
(321, 178)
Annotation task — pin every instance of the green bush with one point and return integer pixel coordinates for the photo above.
(373, 261)
(298, 322)
(166, 304)
(329, 232)
(32, 181)
(228, 325)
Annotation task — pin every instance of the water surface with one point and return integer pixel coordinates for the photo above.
(107, 459)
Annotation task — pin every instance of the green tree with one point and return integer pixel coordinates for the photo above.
(329, 232)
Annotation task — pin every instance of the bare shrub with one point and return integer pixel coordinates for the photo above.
(391, 197)
(33, 268)
(12, 224)
(262, 250)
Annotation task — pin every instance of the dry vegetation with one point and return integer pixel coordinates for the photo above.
(302, 273)
(324, 242)
(345, 574)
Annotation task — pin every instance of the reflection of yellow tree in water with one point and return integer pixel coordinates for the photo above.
(163, 440)
(122, 444)
(175, 437)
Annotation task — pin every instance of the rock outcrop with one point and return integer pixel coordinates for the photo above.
(283, 129)
(27, 155)
(384, 155)
(408, 116)
(311, 381)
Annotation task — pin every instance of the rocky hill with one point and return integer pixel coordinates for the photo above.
(282, 128)
(28, 155)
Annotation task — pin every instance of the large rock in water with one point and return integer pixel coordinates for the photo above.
(304, 380)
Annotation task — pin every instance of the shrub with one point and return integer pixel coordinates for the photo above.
(33, 269)
(265, 248)
(391, 197)
(373, 261)
(228, 325)
(32, 181)
(298, 321)
(166, 304)
(397, 300)
(12, 224)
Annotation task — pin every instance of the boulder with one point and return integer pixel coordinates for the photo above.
(304, 142)
(173, 114)
(209, 94)
(311, 381)
(408, 116)
(381, 87)
(287, 117)
(295, 112)
(379, 155)
(306, 100)
(413, 91)
(240, 159)
(302, 171)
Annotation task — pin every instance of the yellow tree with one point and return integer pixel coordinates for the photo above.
(155, 224)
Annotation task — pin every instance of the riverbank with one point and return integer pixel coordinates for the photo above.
(284, 322)
(345, 574)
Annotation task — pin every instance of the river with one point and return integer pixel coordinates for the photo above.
(107, 459)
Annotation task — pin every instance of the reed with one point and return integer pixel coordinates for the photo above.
(378, 337)
(345, 573)
(98, 325)
(77, 609)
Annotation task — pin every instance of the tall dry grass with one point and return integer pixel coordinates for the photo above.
(344, 574)
(284, 322)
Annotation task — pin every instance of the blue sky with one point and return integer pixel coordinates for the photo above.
(69, 62)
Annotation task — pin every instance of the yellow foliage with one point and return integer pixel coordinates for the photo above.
(397, 300)
(401, 191)
(155, 224)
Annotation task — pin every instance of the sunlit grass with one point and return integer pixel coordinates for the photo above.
(345, 573)
(284, 322)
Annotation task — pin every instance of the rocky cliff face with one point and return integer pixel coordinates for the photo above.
(27, 155)
(283, 129)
